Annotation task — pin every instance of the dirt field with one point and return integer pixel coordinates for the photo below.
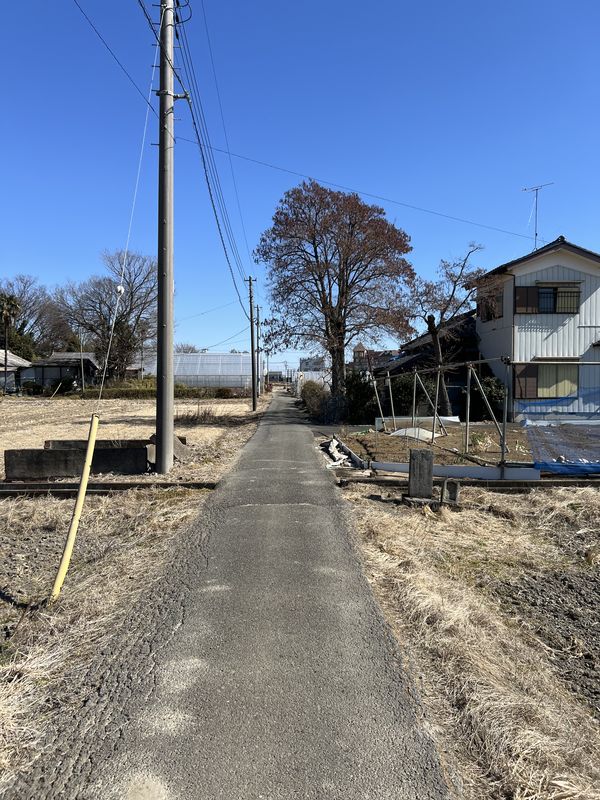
(212, 427)
(496, 606)
(484, 444)
(122, 548)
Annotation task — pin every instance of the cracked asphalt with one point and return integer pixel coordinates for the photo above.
(260, 667)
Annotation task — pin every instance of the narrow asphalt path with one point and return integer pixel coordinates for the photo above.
(282, 680)
(258, 667)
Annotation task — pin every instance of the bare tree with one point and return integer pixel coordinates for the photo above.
(437, 303)
(186, 347)
(334, 263)
(90, 306)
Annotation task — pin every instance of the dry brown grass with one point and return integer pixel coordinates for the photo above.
(46, 648)
(484, 442)
(498, 705)
(26, 422)
(122, 548)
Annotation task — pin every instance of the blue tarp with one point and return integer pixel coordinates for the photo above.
(565, 449)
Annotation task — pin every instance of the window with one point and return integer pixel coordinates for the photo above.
(557, 380)
(491, 306)
(547, 299)
(534, 381)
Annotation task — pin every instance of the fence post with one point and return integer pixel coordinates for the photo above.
(414, 404)
(431, 404)
(488, 406)
(468, 408)
(504, 420)
(389, 383)
(435, 410)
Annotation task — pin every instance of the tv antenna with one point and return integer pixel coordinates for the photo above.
(536, 189)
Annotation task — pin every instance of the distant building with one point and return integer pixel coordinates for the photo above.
(365, 360)
(62, 367)
(233, 370)
(312, 364)
(14, 365)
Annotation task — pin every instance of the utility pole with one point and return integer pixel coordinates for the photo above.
(166, 143)
(252, 346)
(258, 378)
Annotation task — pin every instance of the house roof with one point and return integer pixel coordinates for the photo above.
(359, 347)
(13, 361)
(558, 244)
(425, 338)
(58, 359)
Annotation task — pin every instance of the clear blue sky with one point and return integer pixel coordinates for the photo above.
(454, 107)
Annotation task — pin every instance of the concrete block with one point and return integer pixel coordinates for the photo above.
(180, 451)
(420, 473)
(54, 463)
(450, 491)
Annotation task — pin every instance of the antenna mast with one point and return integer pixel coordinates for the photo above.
(536, 189)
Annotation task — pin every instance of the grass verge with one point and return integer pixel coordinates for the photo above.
(475, 602)
(121, 550)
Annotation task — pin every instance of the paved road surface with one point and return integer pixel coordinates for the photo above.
(280, 679)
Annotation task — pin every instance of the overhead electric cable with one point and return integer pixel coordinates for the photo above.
(206, 154)
(189, 69)
(208, 311)
(214, 72)
(368, 194)
(113, 54)
(120, 287)
(233, 335)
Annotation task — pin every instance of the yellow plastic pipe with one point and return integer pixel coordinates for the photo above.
(70, 543)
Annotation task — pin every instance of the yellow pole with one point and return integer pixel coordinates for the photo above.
(69, 544)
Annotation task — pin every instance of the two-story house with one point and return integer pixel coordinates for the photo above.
(543, 312)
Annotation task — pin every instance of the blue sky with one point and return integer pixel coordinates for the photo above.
(453, 107)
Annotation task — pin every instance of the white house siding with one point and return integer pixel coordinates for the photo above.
(495, 335)
(562, 335)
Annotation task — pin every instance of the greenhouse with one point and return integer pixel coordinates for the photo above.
(233, 370)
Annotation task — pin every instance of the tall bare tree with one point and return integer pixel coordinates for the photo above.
(89, 306)
(334, 263)
(437, 303)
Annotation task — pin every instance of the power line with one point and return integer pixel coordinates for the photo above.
(230, 154)
(113, 54)
(214, 71)
(233, 335)
(190, 72)
(208, 311)
(369, 194)
(206, 154)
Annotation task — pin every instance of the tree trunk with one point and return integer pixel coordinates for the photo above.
(445, 405)
(338, 372)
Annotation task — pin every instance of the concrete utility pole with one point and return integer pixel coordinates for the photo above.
(258, 374)
(166, 142)
(252, 345)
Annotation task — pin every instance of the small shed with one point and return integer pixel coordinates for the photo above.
(12, 367)
(63, 367)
